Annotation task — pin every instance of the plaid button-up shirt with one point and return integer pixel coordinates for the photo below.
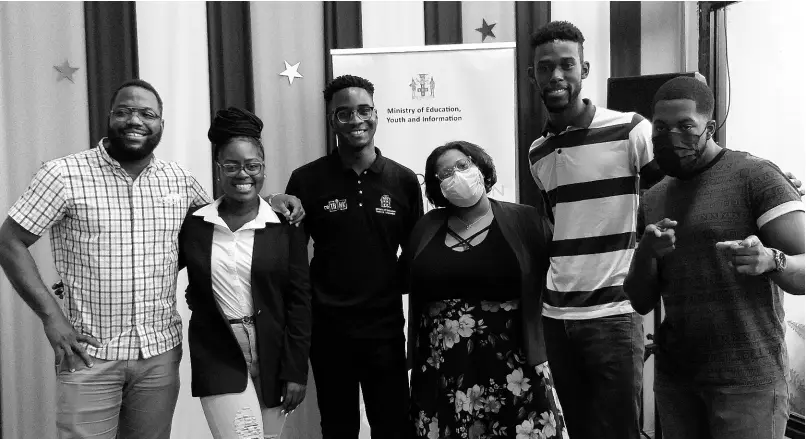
(114, 242)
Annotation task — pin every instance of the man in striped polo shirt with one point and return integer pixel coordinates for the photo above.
(587, 164)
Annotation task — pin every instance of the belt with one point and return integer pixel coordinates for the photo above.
(248, 320)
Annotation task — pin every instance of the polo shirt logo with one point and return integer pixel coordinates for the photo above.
(386, 206)
(336, 205)
(172, 199)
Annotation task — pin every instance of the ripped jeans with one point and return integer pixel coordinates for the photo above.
(243, 415)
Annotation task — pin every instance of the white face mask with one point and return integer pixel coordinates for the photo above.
(463, 188)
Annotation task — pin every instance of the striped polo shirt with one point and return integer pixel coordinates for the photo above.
(588, 174)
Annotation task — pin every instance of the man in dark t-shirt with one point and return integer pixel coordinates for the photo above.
(361, 208)
(724, 236)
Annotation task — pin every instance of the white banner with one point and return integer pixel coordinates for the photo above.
(427, 96)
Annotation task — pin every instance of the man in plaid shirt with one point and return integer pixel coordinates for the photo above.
(114, 213)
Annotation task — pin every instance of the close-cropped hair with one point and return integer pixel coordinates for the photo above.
(686, 87)
(136, 83)
(557, 31)
(477, 155)
(347, 81)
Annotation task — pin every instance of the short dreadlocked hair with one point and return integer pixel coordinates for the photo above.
(557, 31)
(347, 81)
(686, 87)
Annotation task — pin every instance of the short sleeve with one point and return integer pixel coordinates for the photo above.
(292, 188)
(44, 202)
(198, 195)
(641, 142)
(771, 193)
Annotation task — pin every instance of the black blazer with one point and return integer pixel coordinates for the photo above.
(281, 293)
(528, 232)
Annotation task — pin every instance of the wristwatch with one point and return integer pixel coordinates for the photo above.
(780, 260)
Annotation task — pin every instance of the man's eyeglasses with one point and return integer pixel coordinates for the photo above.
(233, 169)
(460, 165)
(126, 113)
(346, 115)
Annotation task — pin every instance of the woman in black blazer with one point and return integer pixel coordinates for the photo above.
(477, 269)
(248, 291)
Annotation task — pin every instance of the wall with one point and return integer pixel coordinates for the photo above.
(759, 93)
(660, 42)
(42, 117)
(393, 24)
(172, 45)
(593, 19)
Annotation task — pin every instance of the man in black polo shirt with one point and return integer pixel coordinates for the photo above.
(360, 209)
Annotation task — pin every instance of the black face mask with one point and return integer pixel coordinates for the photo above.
(678, 154)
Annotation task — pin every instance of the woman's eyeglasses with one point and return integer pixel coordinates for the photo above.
(233, 169)
(460, 165)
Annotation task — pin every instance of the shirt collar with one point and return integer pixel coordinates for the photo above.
(582, 121)
(105, 157)
(376, 166)
(265, 214)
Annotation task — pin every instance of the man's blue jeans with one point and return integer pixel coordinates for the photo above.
(128, 399)
(736, 412)
(598, 369)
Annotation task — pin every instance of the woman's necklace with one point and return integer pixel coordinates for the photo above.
(468, 226)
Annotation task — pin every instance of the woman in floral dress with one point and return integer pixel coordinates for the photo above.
(477, 268)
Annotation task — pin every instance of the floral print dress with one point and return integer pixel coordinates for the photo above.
(470, 377)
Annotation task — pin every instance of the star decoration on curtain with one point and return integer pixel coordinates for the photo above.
(291, 72)
(486, 30)
(65, 71)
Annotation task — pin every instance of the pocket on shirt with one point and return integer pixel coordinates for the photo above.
(169, 218)
(92, 219)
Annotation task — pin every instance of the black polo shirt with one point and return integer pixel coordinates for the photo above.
(357, 223)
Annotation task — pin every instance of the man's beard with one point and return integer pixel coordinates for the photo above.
(572, 97)
(121, 152)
